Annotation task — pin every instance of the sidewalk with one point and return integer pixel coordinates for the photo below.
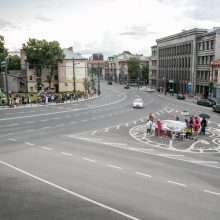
(50, 104)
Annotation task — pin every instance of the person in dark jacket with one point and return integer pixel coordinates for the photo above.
(203, 126)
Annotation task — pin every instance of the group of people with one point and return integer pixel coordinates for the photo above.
(192, 129)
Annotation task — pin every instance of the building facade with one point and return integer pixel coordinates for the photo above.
(182, 62)
(69, 75)
(117, 68)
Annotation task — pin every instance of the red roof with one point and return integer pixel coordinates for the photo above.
(216, 62)
(96, 62)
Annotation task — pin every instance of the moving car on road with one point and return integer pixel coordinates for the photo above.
(205, 102)
(216, 108)
(138, 103)
(180, 96)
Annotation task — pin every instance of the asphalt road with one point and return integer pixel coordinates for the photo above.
(93, 160)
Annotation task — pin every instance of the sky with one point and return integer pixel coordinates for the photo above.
(103, 26)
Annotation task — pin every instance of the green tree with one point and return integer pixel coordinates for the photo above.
(145, 72)
(14, 62)
(134, 68)
(3, 50)
(54, 53)
(40, 54)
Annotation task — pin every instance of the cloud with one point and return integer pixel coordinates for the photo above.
(196, 9)
(42, 18)
(136, 31)
(42, 6)
(5, 25)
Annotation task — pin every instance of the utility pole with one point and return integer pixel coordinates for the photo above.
(74, 78)
(99, 71)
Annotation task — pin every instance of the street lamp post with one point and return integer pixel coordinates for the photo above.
(99, 71)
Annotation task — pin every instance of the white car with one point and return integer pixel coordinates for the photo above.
(138, 103)
(149, 89)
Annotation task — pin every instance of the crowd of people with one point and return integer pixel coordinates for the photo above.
(42, 98)
(193, 127)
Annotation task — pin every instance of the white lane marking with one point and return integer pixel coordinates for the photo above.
(44, 120)
(47, 148)
(73, 122)
(143, 174)
(12, 125)
(107, 129)
(60, 125)
(29, 130)
(45, 128)
(93, 118)
(84, 120)
(126, 124)
(56, 118)
(29, 122)
(29, 143)
(116, 167)
(66, 153)
(118, 126)
(68, 116)
(179, 184)
(197, 161)
(71, 192)
(84, 158)
(93, 132)
(142, 120)
(209, 122)
(172, 155)
(135, 122)
(214, 193)
(157, 113)
(11, 139)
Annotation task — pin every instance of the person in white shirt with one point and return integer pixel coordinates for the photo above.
(149, 126)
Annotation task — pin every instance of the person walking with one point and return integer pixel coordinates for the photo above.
(203, 126)
(151, 117)
(188, 128)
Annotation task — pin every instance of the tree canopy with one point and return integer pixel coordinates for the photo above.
(3, 50)
(145, 72)
(14, 62)
(133, 68)
(41, 53)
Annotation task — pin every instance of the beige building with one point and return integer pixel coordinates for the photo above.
(117, 65)
(70, 73)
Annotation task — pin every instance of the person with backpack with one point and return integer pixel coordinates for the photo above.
(203, 126)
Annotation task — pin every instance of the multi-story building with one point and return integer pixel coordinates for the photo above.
(182, 61)
(118, 65)
(69, 75)
(215, 79)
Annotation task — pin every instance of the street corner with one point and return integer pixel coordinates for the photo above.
(208, 143)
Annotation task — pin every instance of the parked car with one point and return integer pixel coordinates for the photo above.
(180, 96)
(109, 82)
(216, 108)
(126, 86)
(138, 103)
(212, 101)
(205, 102)
(148, 89)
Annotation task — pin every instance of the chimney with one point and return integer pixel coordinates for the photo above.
(70, 49)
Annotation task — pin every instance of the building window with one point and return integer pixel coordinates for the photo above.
(203, 45)
(216, 76)
(212, 44)
(200, 46)
(207, 45)
(30, 78)
(31, 89)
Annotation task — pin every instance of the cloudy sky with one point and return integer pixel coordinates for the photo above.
(106, 26)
